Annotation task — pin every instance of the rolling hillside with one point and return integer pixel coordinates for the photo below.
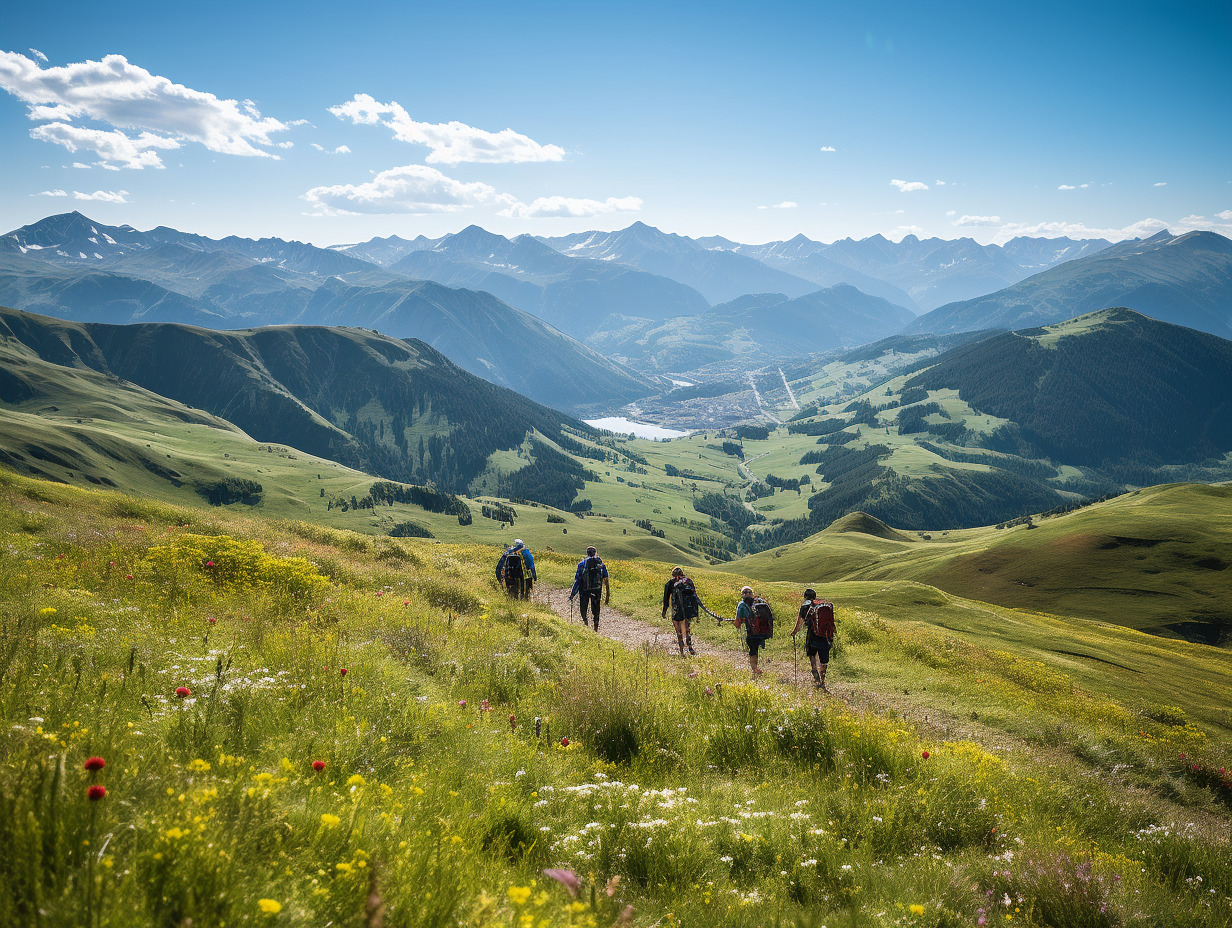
(1158, 560)
(391, 408)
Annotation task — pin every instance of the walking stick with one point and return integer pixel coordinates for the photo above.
(795, 665)
(570, 610)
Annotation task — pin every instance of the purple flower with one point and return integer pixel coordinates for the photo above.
(567, 879)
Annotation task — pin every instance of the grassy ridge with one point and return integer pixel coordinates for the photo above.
(1155, 559)
(695, 800)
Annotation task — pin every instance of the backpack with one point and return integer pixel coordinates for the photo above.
(592, 574)
(761, 623)
(684, 598)
(820, 619)
(513, 566)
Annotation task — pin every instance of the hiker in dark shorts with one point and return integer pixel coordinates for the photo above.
(817, 615)
(744, 614)
(589, 581)
(680, 594)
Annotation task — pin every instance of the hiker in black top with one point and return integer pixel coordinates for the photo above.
(817, 615)
(589, 581)
(680, 594)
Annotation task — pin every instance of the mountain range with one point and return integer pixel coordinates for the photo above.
(238, 283)
(1183, 279)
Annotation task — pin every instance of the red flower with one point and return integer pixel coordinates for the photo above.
(213, 620)
(209, 563)
(94, 763)
(128, 576)
(461, 703)
(342, 671)
(485, 706)
(513, 722)
(183, 692)
(318, 765)
(406, 602)
(564, 742)
(924, 754)
(96, 792)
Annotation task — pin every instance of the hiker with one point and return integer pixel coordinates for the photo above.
(516, 570)
(681, 595)
(757, 614)
(817, 615)
(589, 581)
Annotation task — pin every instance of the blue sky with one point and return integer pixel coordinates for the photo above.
(333, 123)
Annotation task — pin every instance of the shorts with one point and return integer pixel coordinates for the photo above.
(755, 644)
(820, 647)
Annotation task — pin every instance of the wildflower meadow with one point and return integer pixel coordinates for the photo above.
(211, 720)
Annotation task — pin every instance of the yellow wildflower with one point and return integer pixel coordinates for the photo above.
(519, 894)
(270, 906)
(916, 909)
(329, 821)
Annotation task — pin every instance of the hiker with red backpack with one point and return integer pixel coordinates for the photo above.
(589, 581)
(817, 615)
(756, 613)
(680, 594)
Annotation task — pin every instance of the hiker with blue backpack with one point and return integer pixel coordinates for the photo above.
(755, 613)
(817, 615)
(590, 580)
(516, 570)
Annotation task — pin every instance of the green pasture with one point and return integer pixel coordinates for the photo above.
(294, 724)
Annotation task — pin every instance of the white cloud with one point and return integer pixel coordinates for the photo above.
(113, 147)
(128, 97)
(52, 193)
(786, 204)
(103, 196)
(940, 183)
(413, 189)
(1226, 214)
(951, 212)
(978, 221)
(909, 186)
(571, 207)
(1162, 184)
(340, 150)
(451, 142)
(81, 166)
(37, 54)
(828, 148)
(902, 232)
(1066, 187)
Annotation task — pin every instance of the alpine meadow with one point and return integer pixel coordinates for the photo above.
(651, 466)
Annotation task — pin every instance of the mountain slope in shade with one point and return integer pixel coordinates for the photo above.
(717, 274)
(484, 336)
(576, 296)
(1106, 388)
(1185, 280)
(394, 408)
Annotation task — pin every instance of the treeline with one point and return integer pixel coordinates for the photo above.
(820, 427)
(1026, 467)
(498, 513)
(429, 498)
(788, 483)
(553, 478)
(728, 510)
(231, 490)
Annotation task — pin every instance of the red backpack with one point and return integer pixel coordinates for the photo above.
(820, 619)
(761, 623)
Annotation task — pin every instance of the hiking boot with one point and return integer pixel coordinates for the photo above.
(691, 651)
(757, 671)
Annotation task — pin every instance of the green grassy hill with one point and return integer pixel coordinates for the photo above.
(1156, 560)
(228, 720)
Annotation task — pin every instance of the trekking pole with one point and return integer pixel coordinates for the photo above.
(570, 610)
(795, 665)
